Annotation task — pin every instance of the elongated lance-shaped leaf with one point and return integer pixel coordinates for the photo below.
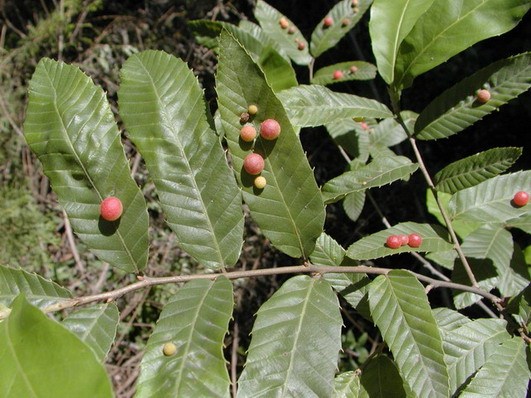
(448, 28)
(264, 51)
(472, 170)
(38, 291)
(345, 15)
(353, 204)
(363, 71)
(400, 309)
(468, 347)
(291, 43)
(70, 126)
(350, 136)
(96, 326)
(381, 171)
(449, 320)
(163, 109)
(295, 342)
(195, 320)
(389, 132)
(380, 379)
(313, 105)
(490, 201)
(41, 358)
(347, 385)
(373, 246)
(505, 374)
(457, 108)
(391, 21)
(289, 210)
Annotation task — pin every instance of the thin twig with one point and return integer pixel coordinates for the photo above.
(72, 244)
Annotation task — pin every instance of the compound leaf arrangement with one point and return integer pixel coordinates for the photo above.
(211, 172)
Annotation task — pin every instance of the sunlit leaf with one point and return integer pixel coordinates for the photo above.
(363, 71)
(485, 274)
(289, 210)
(351, 137)
(457, 108)
(95, 326)
(41, 358)
(163, 108)
(353, 204)
(345, 16)
(346, 385)
(70, 126)
(314, 105)
(448, 28)
(472, 170)
(196, 321)
(300, 321)
(400, 309)
(449, 320)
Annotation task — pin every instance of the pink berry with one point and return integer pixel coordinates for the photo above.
(283, 22)
(364, 126)
(328, 21)
(520, 198)
(414, 240)
(483, 96)
(337, 75)
(248, 133)
(253, 164)
(393, 242)
(404, 240)
(300, 45)
(269, 129)
(111, 208)
(353, 69)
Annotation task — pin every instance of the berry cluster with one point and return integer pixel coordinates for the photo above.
(285, 25)
(396, 241)
(270, 129)
(339, 74)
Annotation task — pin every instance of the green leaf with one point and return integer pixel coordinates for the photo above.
(391, 21)
(485, 274)
(196, 321)
(95, 326)
(381, 171)
(40, 358)
(448, 28)
(373, 246)
(491, 200)
(70, 126)
(456, 108)
(353, 204)
(519, 307)
(461, 227)
(445, 259)
(313, 105)
(295, 342)
(269, 18)
(449, 320)
(505, 374)
(472, 170)
(350, 136)
(289, 210)
(345, 17)
(346, 385)
(364, 71)
(163, 109)
(278, 72)
(380, 378)
(523, 222)
(389, 132)
(38, 291)
(400, 309)
(468, 347)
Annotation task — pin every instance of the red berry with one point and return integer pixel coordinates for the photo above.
(483, 96)
(520, 198)
(253, 164)
(283, 22)
(414, 240)
(364, 126)
(300, 45)
(404, 240)
(111, 208)
(248, 133)
(269, 129)
(337, 75)
(393, 242)
(328, 21)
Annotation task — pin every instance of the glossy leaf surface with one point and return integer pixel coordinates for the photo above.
(71, 128)
(400, 309)
(300, 320)
(41, 358)
(289, 210)
(164, 112)
(196, 321)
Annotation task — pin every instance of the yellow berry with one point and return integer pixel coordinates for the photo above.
(169, 349)
(260, 182)
(252, 110)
